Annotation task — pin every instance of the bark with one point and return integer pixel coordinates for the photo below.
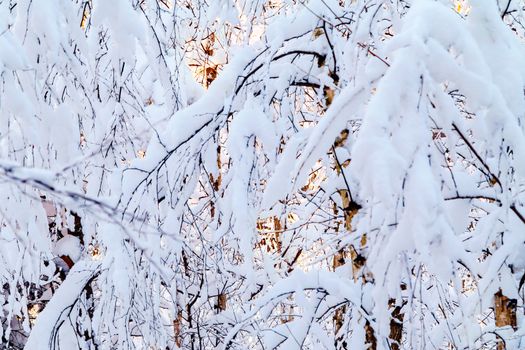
(216, 183)
(370, 336)
(350, 209)
(396, 326)
(339, 260)
(505, 315)
(177, 323)
(277, 234)
(221, 302)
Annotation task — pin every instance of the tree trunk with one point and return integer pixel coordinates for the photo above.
(339, 260)
(505, 315)
(350, 209)
(177, 323)
(396, 326)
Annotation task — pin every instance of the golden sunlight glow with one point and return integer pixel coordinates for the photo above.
(95, 252)
(315, 178)
(85, 16)
(292, 218)
(462, 7)
(270, 230)
(33, 310)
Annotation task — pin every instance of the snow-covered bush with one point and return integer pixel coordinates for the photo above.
(245, 174)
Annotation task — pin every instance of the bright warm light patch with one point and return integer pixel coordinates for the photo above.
(95, 252)
(33, 312)
(86, 14)
(270, 230)
(462, 7)
(292, 218)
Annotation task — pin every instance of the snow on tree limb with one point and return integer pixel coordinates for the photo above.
(277, 174)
